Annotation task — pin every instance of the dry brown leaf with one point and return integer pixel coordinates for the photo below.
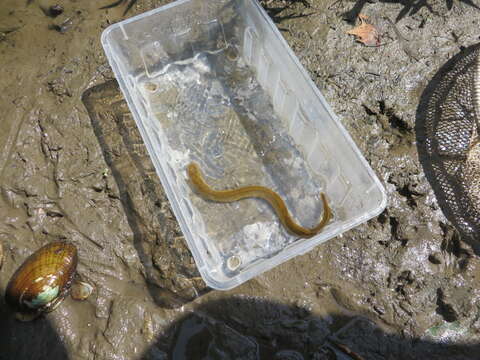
(363, 17)
(365, 33)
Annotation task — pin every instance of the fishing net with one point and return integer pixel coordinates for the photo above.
(448, 139)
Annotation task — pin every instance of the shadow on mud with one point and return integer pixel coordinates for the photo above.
(241, 329)
(170, 272)
(447, 142)
(35, 340)
(410, 7)
(279, 14)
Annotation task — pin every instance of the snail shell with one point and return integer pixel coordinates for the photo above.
(43, 280)
(81, 290)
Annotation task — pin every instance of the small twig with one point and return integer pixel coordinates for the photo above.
(116, 3)
(347, 350)
(129, 6)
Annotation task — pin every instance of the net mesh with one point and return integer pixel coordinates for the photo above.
(448, 139)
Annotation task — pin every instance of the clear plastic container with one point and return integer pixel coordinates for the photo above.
(214, 82)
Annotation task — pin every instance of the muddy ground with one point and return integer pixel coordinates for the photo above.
(402, 286)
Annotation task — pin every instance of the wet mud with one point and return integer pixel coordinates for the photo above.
(402, 286)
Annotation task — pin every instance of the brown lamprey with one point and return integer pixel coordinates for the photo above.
(196, 178)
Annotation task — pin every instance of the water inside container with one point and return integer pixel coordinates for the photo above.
(211, 109)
